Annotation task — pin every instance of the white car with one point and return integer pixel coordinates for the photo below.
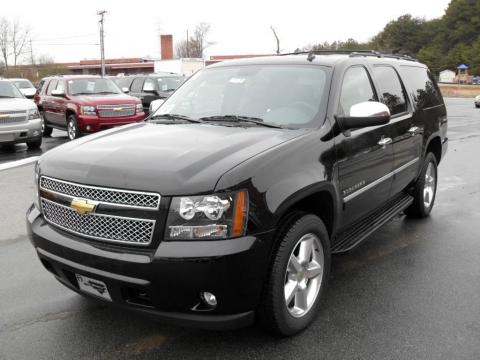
(25, 86)
(20, 121)
(477, 101)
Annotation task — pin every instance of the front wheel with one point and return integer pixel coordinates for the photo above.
(424, 190)
(72, 127)
(297, 278)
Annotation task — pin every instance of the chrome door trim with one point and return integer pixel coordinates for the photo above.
(380, 180)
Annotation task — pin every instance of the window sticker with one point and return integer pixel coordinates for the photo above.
(91, 86)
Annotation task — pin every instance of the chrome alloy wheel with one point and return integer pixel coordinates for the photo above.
(72, 130)
(303, 277)
(430, 186)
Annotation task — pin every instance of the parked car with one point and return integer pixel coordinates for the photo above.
(152, 87)
(227, 204)
(25, 86)
(477, 101)
(85, 104)
(123, 82)
(20, 121)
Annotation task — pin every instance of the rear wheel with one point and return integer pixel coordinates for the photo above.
(297, 278)
(72, 127)
(425, 189)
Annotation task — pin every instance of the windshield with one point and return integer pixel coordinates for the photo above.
(8, 90)
(123, 81)
(23, 84)
(92, 87)
(169, 83)
(284, 95)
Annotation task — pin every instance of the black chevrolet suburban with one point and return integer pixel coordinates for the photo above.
(226, 205)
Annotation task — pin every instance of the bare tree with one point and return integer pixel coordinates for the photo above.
(5, 41)
(276, 38)
(19, 40)
(196, 45)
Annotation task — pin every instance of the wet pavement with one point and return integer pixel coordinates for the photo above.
(410, 292)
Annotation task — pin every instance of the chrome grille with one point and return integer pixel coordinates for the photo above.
(12, 117)
(109, 111)
(112, 196)
(100, 227)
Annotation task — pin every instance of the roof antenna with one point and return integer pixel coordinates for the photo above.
(311, 56)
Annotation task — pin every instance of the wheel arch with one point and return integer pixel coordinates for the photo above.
(318, 199)
(434, 146)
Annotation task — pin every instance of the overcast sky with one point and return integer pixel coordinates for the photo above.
(237, 27)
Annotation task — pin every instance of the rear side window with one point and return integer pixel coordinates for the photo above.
(391, 89)
(356, 88)
(422, 86)
(137, 85)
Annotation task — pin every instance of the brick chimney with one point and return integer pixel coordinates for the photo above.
(166, 47)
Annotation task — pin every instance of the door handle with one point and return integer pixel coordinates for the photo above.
(414, 130)
(384, 141)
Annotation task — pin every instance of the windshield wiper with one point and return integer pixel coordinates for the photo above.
(175, 117)
(8, 97)
(239, 118)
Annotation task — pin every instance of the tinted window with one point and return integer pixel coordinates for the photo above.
(423, 88)
(391, 90)
(356, 88)
(51, 85)
(122, 82)
(279, 94)
(169, 83)
(137, 85)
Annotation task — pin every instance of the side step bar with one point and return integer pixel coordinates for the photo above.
(356, 233)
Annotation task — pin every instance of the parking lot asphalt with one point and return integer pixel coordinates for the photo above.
(410, 292)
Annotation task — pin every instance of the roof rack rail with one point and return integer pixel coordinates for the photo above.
(352, 53)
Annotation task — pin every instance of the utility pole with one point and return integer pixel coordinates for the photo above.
(188, 47)
(101, 13)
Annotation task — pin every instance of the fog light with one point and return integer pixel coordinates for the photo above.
(36, 133)
(89, 127)
(209, 299)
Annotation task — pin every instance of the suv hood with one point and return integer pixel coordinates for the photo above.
(16, 104)
(111, 99)
(173, 159)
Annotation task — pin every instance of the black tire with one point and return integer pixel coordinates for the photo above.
(34, 145)
(73, 131)
(273, 313)
(419, 208)
(46, 130)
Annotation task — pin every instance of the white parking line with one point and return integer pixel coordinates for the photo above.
(21, 162)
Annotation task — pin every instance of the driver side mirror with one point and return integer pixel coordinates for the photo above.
(58, 93)
(365, 114)
(125, 90)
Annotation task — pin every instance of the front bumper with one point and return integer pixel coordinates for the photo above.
(94, 123)
(165, 282)
(20, 132)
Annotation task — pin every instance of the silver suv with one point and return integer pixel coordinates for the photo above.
(20, 120)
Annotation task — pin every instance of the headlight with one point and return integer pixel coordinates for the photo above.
(33, 114)
(36, 196)
(88, 110)
(218, 216)
(139, 108)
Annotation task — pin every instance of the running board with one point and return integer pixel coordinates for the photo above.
(356, 233)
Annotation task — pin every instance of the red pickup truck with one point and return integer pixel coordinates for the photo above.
(84, 104)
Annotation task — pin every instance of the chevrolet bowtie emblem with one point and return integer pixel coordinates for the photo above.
(117, 109)
(83, 206)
